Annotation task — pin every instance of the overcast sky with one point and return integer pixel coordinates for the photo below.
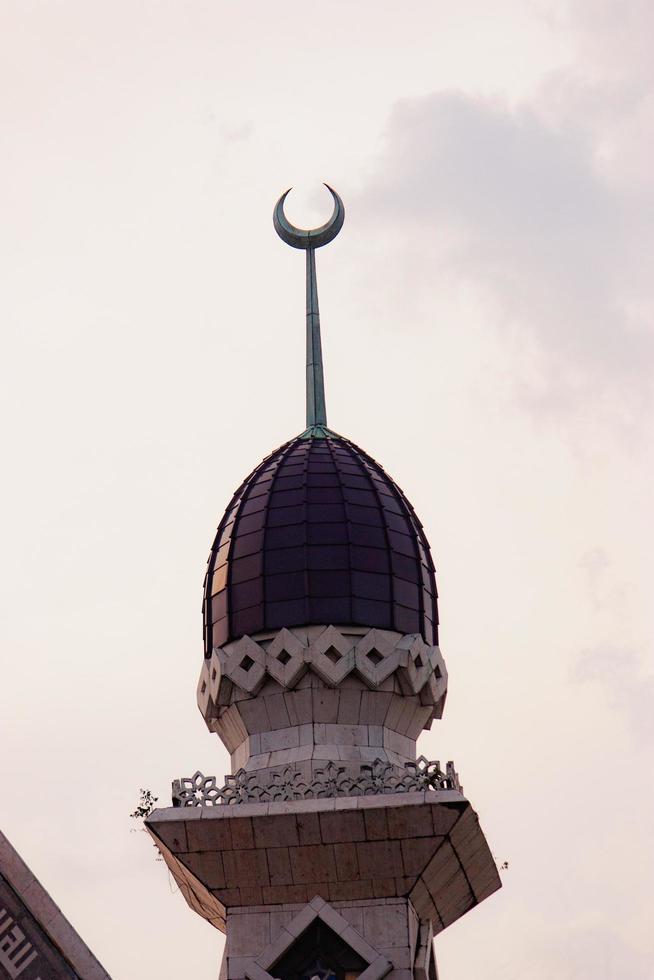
(487, 327)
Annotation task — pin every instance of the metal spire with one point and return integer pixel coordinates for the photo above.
(310, 240)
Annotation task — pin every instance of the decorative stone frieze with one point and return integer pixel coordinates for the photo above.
(331, 780)
(332, 653)
(282, 667)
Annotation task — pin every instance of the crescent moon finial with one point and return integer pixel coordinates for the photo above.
(308, 238)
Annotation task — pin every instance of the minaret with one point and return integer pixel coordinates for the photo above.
(331, 850)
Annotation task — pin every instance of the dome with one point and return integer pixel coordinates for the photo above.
(319, 534)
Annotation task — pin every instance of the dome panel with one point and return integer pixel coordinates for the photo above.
(319, 534)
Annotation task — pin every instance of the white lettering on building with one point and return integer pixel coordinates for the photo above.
(16, 951)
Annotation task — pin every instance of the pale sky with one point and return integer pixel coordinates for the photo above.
(487, 329)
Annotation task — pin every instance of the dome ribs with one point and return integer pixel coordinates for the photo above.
(319, 534)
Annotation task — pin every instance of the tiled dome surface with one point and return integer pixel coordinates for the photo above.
(319, 534)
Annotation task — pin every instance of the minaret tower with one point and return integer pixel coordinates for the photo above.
(330, 851)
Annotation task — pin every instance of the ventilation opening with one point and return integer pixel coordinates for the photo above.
(213, 674)
(333, 654)
(204, 687)
(246, 663)
(375, 657)
(437, 673)
(319, 952)
(283, 656)
(418, 662)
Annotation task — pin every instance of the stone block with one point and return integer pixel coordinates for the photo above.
(417, 853)
(283, 738)
(275, 830)
(423, 951)
(384, 888)
(414, 929)
(228, 896)
(346, 734)
(248, 935)
(173, 834)
(278, 921)
(256, 762)
(252, 895)
(208, 867)
(366, 753)
(238, 966)
(348, 706)
(376, 824)
(374, 707)
(415, 821)
(325, 705)
(310, 863)
(411, 706)
(405, 747)
(379, 856)
(230, 727)
(209, 835)
(308, 828)
(277, 711)
(242, 836)
(341, 891)
(288, 757)
(245, 869)
(354, 915)
(442, 869)
(485, 882)
(282, 894)
(347, 868)
(306, 734)
(254, 714)
(395, 707)
(395, 759)
(375, 735)
(385, 926)
(399, 956)
(340, 826)
(299, 705)
(240, 756)
(421, 719)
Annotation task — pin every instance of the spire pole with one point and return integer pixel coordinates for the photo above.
(316, 408)
(310, 240)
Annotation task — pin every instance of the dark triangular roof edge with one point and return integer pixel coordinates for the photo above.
(47, 914)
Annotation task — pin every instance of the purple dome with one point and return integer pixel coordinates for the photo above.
(319, 534)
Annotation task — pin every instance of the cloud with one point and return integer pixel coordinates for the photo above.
(513, 202)
(627, 685)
